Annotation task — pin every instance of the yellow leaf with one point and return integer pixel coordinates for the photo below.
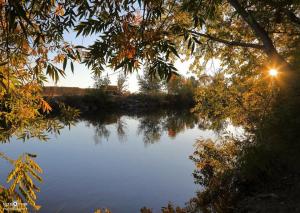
(45, 106)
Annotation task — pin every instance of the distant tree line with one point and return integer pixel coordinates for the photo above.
(176, 85)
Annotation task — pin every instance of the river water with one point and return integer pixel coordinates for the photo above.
(114, 161)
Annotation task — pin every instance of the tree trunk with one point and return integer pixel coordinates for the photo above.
(287, 78)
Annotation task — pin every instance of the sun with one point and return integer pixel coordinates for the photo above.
(273, 72)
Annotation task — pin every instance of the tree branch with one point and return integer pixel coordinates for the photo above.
(229, 43)
(268, 46)
(258, 30)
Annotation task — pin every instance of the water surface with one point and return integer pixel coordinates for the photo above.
(115, 161)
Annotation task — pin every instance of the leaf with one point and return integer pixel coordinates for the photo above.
(14, 184)
(72, 67)
(31, 155)
(196, 40)
(28, 198)
(80, 47)
(12, 174)
(174, 51)
(65, 63)
(193, 47)
(45, 106)
(34, 165)
(34, 174)
(189, 43)
(78, 55)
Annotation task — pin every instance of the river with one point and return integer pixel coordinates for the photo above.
(115, 161)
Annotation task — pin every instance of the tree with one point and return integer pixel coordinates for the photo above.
(136, 32)
(241, 100)
(149, 84)
(182, 86)
(101, 82)
(174, 84)
(247, 30)
(31, 46)
(248, 37)
(121, 83)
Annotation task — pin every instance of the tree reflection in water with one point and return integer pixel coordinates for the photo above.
(101, 132)
(151, 126)
(121, 126)
(179, 121)
(100, 123)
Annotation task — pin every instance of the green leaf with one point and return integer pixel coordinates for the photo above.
(174, 51)
(65, 63)
(72, 67)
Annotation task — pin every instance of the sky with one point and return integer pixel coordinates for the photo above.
(83, 78)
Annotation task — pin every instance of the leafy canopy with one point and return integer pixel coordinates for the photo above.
(134, 32)
(31, 45)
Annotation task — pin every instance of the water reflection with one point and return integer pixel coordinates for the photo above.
(122, 170)
(164, 169)
(121, 126)
(18, 190)
(180, 121)
(151, 126)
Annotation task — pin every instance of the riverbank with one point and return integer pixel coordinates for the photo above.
(280, 196)
(122, 103)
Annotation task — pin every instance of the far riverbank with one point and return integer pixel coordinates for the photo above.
(123, 103)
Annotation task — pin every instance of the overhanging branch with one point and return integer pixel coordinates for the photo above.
(262, 34)
(229, 43)
(258, 30)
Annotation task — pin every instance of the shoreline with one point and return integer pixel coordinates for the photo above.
(133, 103)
